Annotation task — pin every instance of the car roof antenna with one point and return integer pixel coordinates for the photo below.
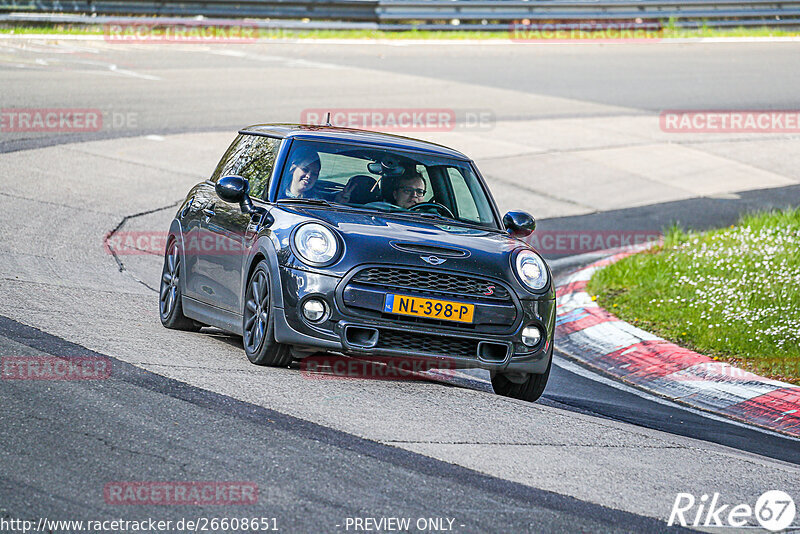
(328, 120)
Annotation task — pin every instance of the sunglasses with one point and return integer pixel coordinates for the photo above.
(413, 191)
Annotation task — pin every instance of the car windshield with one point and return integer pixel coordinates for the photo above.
(385, 179)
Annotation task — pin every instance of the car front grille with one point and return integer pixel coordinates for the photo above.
(434, 282)
(364, 292)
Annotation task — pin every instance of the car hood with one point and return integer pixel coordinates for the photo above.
(381, 238)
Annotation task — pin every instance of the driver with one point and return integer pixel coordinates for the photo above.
(408, 191)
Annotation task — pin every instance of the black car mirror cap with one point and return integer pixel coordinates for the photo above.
(233, 189)
(236, 190)
(519, 223)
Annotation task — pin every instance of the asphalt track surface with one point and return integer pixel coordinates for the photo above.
(184, 88)
(310, 477)
(320, 454)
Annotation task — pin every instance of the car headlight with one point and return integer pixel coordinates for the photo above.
(315, 244)
(531, 269)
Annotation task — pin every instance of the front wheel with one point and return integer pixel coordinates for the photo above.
(527, 387)
(258, 326)
(170, 306)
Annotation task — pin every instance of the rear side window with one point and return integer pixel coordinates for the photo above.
(252, 157)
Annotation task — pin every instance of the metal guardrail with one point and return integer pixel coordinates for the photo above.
(513, 10)
(441, 14)
(359, 10)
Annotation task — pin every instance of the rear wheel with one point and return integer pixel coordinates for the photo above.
(169, 296)
(258, 326)
(528, 387)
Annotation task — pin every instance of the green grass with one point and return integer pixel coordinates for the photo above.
(669, 32)
(732, 293)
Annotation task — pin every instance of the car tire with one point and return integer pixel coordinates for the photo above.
(258, 326)
(170, 305)
(529, 389)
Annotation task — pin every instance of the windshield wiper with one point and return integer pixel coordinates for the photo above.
(314, 201)
(437, 216)
(430, 215)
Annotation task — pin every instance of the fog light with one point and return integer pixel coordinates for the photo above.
(314, 310)
(531, 335)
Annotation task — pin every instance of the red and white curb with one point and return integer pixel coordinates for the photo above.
(592, 335)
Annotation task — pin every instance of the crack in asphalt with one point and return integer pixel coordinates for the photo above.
(119, 226)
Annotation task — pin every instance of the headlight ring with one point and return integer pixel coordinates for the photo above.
(531, 270)
(315, 244)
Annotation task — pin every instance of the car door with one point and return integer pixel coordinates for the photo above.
(197, 284)
(193, 219)
(227, 232)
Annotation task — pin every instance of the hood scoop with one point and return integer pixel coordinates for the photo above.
(416, 248)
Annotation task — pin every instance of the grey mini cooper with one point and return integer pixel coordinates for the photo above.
(315, 238)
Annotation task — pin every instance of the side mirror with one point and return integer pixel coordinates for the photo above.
(519, 223)
(235, 189)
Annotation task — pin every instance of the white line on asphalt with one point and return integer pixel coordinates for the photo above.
(287, 61)
(592, 375)
(127, 72)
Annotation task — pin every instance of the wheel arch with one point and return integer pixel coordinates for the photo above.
(176, 232)
(264, 250)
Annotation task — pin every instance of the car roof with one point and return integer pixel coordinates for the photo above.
(335, 133)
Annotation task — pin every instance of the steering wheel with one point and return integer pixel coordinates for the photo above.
(443, 210)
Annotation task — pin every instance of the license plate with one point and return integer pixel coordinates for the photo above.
(432, 308)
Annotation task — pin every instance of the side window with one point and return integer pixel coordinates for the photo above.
(465, 203)
(252, 157)
(224, 165)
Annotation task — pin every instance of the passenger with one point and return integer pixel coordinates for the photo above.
(360, 189)
(303, 174)
(408, 191)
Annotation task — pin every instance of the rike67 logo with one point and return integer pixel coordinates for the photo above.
(773, 511)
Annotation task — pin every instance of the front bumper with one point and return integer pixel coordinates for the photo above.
(445, 347)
